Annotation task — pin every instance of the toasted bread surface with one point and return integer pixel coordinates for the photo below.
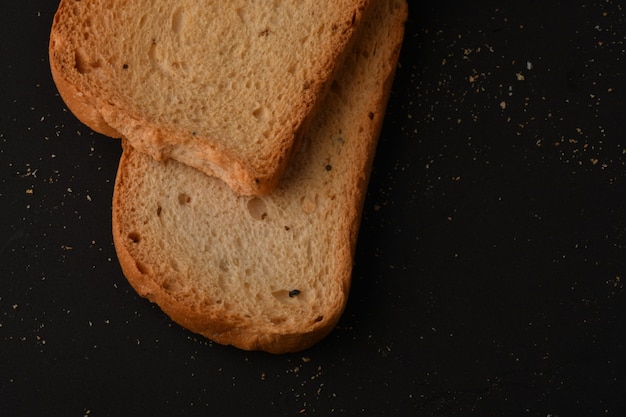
(272, 272)
(225, 87)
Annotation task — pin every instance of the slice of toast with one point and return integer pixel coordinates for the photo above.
(273, 272)
(224, 86)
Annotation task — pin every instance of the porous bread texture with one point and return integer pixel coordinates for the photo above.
(225, 87)
(273, 272)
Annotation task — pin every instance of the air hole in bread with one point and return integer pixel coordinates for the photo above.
(178, 20)
(257, 208)
(171, 286)
(174, 265)
(242, 15)
(308, 205)
(253, 85)
(179, 65)
(81, 62)
(281, 295)
(152, 55)
(141, 267)
(259, 113)
(318, 319)
(134, 237)
(184, 198)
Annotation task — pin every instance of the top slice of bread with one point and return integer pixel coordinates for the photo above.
(226, 87)
(270, 272)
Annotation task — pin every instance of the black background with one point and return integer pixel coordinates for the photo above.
(489, 276)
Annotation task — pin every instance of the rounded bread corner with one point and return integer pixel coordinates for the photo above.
(78, 102)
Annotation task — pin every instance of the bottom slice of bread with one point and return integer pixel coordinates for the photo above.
(263, 273)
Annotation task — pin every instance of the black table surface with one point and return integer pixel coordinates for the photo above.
(489, 276)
